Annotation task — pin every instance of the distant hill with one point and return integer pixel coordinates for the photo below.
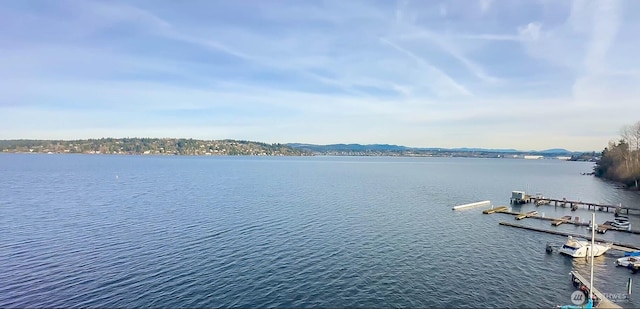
(348, 147)
(554, 150)
(151, 146)
(485, 150)
(396, 148)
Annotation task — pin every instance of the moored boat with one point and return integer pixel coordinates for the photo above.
(621, 223)
(580, 247)
(628, 260)
(632, 253)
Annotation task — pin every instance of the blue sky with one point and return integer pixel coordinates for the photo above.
(496, 74)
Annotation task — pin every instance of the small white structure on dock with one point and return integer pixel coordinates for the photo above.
(519, 197)
(471, 205)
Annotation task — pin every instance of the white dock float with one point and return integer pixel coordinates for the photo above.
(476, 204)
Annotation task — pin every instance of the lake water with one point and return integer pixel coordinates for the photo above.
(146, 231)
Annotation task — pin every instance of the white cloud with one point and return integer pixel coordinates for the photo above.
(530, 32)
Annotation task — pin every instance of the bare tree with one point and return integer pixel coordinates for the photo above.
(626, 132)
(620, 161)
(631, 134)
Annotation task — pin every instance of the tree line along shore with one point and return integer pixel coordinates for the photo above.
(150, 146)
(620, 160)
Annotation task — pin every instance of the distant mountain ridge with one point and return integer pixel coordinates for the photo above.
(348, 147)
(554, 150)
(483, 149)
(398, 148)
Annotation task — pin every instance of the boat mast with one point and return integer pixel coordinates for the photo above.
(593, 236)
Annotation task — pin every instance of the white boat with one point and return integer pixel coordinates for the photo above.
(620, 222)
(579, 247)
(594, 299)
(628, 260)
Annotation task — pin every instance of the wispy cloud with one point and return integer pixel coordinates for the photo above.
(445, 44)
(406, 72)
(490, 37)
(606, 21)
(442, 84)
(443, 10)
(485, 5)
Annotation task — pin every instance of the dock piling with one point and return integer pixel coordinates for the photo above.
(564, 202)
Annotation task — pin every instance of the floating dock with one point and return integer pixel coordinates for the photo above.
(494, 210)
(527, 215)
(471, 205)
(562, 220)
(616, 245)
(531, 214)
(603, 302)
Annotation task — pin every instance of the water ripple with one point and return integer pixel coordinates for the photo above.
(281, 232)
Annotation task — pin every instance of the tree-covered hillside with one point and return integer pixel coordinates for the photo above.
(159, 146)
(620, 160)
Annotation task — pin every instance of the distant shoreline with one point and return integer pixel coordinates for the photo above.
(228, 147)
(282, 155)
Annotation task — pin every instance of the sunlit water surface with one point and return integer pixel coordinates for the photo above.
(145, 231)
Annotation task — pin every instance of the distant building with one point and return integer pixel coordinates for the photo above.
(533, 157)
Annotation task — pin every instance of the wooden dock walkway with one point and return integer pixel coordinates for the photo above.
(558, 221)
(573, 204)
(616, 245)
(495, 209)
(603, 302)
(564, 219)
(529, 215)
